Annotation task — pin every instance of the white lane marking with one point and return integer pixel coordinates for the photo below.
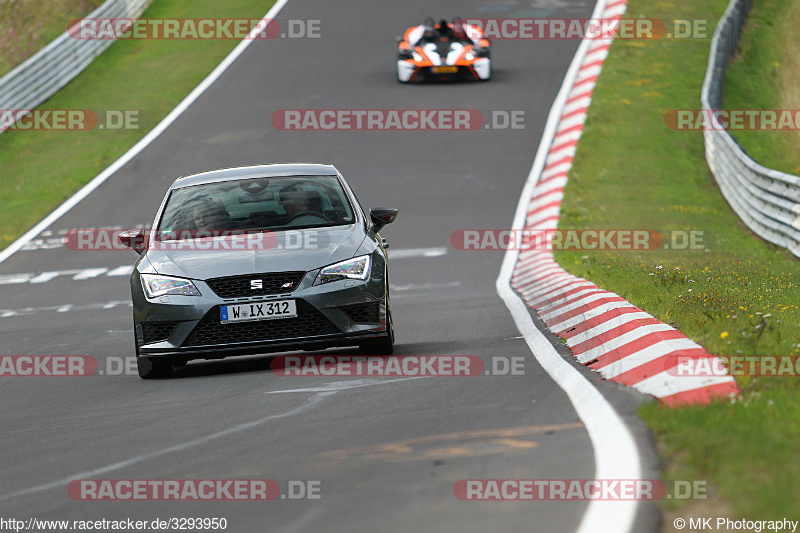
(12, 279)
(615, 452)
(49, 243)
(6, 313)
(44, 277)
(90, 273)
(308, 404)
(77, 275)
(142, 144)
(425, 286)
(124, 270)
(403, 253)
(337, 386)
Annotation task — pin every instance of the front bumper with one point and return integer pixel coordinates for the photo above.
(340, 313)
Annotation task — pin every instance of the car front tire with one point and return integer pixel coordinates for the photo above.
(381, 345)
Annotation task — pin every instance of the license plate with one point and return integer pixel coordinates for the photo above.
(445, 70)
(258, 311)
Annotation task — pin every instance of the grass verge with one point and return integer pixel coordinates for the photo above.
(738, 296)
(148, 75)
(27, 27)
(766, 75)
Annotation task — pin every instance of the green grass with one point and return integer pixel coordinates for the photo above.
(740, 296)
(26, 27)
(764, 75)
(148, 75)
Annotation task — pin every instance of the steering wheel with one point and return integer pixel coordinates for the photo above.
(307, 213)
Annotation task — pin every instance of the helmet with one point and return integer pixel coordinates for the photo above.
(459, 30)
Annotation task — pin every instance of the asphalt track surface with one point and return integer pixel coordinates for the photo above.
(388, 451)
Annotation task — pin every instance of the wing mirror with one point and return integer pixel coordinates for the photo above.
(380, 216)
(133, 239)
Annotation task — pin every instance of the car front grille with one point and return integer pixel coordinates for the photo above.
(309, 322)
(241, 287)
(363, 313)
(148, 333)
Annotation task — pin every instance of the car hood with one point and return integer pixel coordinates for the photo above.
(331, 245)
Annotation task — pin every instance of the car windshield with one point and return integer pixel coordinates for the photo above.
(256, 204)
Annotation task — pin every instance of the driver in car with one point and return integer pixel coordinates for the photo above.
(295, 202)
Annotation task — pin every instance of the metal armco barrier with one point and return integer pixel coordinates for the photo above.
(766, 200)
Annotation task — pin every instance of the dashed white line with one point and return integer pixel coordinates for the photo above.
(6, 313)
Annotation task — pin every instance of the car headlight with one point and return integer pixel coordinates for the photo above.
(417, 56)
(356, 268)
(469, 56)
(155, 286)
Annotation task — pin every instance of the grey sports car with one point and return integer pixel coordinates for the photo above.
(255, 260)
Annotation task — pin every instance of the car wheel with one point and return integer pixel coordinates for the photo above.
(381, 345)
(150, 368)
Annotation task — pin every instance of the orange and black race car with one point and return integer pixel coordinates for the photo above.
(454, 50)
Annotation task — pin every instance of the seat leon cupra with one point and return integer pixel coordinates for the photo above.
(255, 260)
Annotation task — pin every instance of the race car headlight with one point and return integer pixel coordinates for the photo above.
(417, 56)
(356, 268)
(155, 286)
(469, 56)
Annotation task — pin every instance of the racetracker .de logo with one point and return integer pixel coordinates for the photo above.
(586, 28)
(578, 239)
(379, 119)
(736, 365)
(733, 119)
(583, 489)
(100, 239)
(70, 119)
(192, 29)
(374, 366)
(47, 365)
(174, 489)
(197, 489)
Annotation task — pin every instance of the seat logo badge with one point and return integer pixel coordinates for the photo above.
(256, 284)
